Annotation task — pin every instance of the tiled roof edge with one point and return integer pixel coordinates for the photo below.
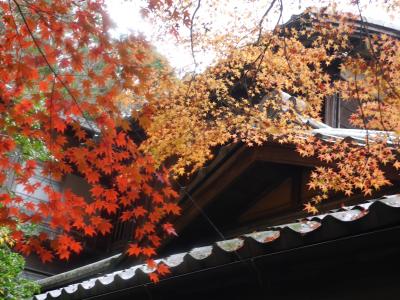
(303, 227)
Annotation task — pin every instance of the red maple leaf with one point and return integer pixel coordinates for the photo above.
(43, 86)
(59, 124)
(122, 183)
(110, 195)
(148, 228)
(121, 139)
(155, 216)
(155, 240)
(163, 269)
(158, 198)
(89, 230)
(148, 251)
(97, 190)
(169, 228)
(104, 227)
(110, 207)
(63, 253)
(126, 216)
(46, 256)
(154, 277)
(75, 246)
(134, 250)
(139, 211)
(172, 208)
(92, 176)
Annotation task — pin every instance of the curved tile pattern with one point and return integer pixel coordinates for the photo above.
(350, 215)
(231, 245)
(264, 236)
(384, 210)
(303, 227)
(201, 253)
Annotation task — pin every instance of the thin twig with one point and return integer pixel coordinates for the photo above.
(364, 118)
(373, 51)
(262, 55)
(191, 33)
(377, 65)
(49, 65)
(260, 25)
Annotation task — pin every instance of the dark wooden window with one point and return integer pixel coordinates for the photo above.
(337, 112)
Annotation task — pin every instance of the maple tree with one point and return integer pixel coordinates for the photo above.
(266, 85)
(61, 83)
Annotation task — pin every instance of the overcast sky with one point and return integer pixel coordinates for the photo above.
(126, 15)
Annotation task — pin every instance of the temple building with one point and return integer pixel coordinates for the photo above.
(243, 233)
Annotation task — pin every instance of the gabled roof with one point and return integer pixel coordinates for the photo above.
(340, 224)
(324, 131)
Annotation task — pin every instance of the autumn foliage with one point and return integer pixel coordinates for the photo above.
(60, 76)
(269, 89)
(100, 108)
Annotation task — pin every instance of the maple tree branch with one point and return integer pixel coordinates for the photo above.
(191, 33)
(260, 25)
(266, 46)
(38, 10)
(262, 54)
(48, 63)
(373, 51)
(16, 27)
(364, 119)
(51, 114)
(377, 65)
(18, 34)
(192, 50)
(379, 96)
(287, 58)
